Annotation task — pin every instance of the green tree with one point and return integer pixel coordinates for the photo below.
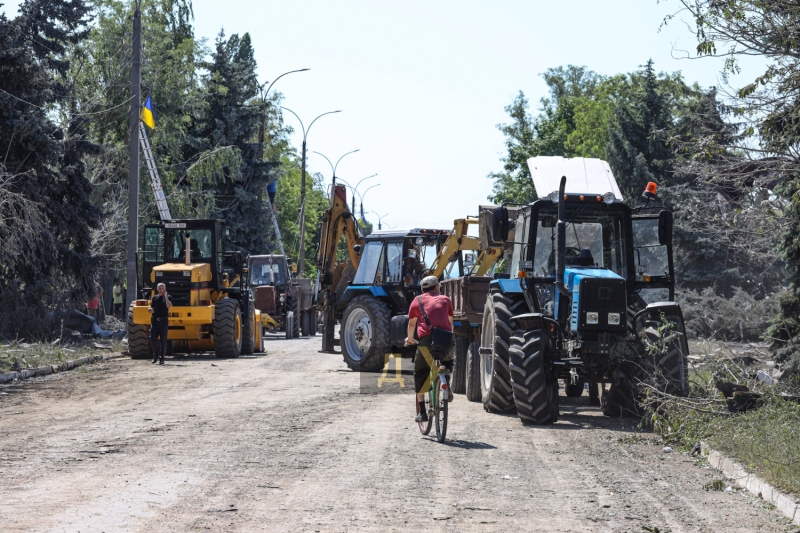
(46, 213)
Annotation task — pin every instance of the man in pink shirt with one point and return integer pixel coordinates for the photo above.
(439, 311)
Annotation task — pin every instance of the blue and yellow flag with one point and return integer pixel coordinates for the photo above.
(148, 114)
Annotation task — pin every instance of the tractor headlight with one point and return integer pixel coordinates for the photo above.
(591, 317)
(187, 273)
(526, 265)
(159, 274)
(613, 319)
(609, 198)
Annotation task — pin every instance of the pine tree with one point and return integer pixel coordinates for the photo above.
(49, 262)
(637, 149)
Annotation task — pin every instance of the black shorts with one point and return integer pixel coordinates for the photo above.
(422, 368)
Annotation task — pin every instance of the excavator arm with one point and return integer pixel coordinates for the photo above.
(457, 241)
(337, 221)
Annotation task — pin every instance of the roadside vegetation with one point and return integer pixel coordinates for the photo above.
(21, 355)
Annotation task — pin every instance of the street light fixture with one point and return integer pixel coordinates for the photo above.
(380, 218)
(302, 260)
(264, 95)
(334, 167)
(354, 190)
(363, 195)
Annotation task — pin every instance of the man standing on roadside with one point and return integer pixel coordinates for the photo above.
(436, 311)
(117, 293)
(159, 323)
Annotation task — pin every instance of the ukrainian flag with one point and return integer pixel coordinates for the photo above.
(148, 114)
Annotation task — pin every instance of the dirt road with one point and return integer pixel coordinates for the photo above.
(292, 441)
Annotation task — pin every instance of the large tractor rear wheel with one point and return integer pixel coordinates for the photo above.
(473, 372)
(138, 338)
(227, 326)
(365, 334)
(495, 338)
(248, 337)
(460, 366)
(668, 357)
(535, 390)
(619, 400)
(294, 306)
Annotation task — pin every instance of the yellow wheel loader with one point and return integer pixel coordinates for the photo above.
(212, 308)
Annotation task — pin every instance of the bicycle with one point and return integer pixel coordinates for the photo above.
(436, 402)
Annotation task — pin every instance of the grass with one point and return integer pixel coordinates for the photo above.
(44, 354)
(764, 439)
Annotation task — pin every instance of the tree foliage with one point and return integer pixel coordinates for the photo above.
(762, 165)
(45, 210)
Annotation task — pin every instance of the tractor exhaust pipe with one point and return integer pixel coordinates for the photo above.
(561, 239)
(188, 249)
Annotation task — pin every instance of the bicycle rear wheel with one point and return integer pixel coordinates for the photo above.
(424, 427)
(441, 409)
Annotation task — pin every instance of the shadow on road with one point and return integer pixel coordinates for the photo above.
(468, 445)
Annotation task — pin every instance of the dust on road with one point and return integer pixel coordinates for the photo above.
(291, 441)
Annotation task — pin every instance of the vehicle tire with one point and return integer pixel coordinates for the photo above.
(313, 321)
(473, 372)
(458, 385)
(259, 337)
(594, 394)
(535, 389)
(619, 400)
(671, 362)
(440, 413)
(425, 427)
(227, 327)
(303, 323)
(573, 390)
(248, 337)
(294, 306)
(496, 392)
(365, 334)
(289, 325)
(138, 338)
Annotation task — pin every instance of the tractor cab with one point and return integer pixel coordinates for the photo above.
(392, 265)
(270, 270)
(206, 266)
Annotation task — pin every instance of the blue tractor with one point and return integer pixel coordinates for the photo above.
(590, 300)
(373, 308)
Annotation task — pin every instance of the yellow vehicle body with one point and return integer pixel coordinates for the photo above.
(192, 315)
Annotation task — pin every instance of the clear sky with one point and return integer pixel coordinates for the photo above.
(422, 85)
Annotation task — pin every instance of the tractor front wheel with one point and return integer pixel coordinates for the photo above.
(138, 338)
(248, 339)
(535, 388)
(365, 334)
(227, 326)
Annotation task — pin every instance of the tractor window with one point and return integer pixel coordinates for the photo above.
(154, 244)
(200, 242)
(580, 236)
(394, 263)
(368, 265)
(266, 272)
(597, 240)
(650, 257)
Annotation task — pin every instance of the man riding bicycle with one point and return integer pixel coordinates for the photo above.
(436, 312)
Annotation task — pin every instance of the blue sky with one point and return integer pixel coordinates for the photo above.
(422, 85)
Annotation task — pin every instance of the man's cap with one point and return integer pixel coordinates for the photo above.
(428, 282)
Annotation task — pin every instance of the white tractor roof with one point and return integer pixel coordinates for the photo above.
(584, 175)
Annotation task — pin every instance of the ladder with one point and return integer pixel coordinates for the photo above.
(275, 225)
(155, 180)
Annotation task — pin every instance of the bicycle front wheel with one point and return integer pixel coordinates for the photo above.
(441, 409)
(424, 427)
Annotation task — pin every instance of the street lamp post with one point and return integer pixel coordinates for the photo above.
(302, 259)
(380, 218)
(361, 197)
(334, 167)
(354, 190)
(264, 95)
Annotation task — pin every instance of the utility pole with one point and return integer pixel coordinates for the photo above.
(133, 177)
(302, 266)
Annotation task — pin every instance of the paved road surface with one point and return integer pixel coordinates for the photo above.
(292, 441)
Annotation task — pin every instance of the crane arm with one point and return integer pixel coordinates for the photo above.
(337, 221)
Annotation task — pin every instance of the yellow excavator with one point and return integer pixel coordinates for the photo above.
(335, 273)
(458, 241)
